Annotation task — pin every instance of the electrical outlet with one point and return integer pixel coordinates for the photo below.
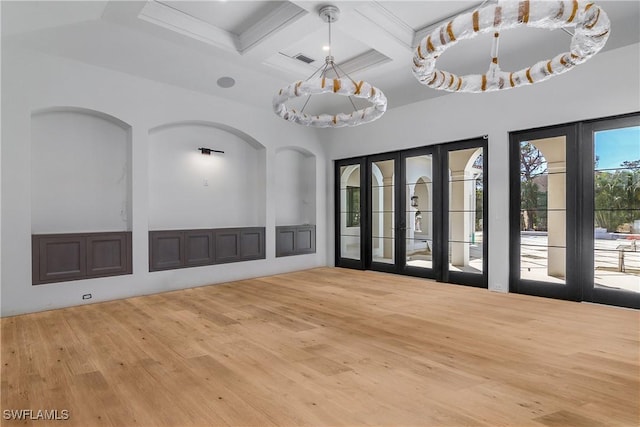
(86, 296)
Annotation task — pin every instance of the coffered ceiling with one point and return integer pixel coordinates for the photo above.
(265, 45)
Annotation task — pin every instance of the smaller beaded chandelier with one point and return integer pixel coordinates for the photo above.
(319, 83)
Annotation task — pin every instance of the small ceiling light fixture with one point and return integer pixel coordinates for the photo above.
(591, 32)
(208, 151)
(344, 86)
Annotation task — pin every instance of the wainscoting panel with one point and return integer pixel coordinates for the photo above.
(295, 240)
(171, 249)
(285, 241)
(107, 254)
(227, 245)
(65, 257)
(252, 243)
(199, 247)
(166, 250)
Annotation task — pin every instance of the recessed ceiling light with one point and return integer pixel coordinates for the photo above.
(326, 48)
(226, 82)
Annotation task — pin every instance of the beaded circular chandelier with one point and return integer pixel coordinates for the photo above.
(342, 84)
(591, 32)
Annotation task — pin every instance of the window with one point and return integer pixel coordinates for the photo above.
(575, 211)
(353, 206)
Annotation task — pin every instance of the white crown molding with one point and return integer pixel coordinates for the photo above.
(165, 16)
(365, 61)
(276, 20)
(292, 67)
(386, 21)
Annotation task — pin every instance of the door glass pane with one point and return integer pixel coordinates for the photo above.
(350, 212)
(382, 212)
(465, 210)
(419, 211)
(617, 209)
(543, 210)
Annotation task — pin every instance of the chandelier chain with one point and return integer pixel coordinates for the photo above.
(567, 31)
(352, 103)
(348, 76)
(330, 36)
(305, 104)
(323, 67)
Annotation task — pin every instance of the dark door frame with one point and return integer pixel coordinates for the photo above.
(440, 270)
(459, 277)
(579, 213)
(592, 293)
(570, 290)
(398, 218)
(436, 201)
(348, 262)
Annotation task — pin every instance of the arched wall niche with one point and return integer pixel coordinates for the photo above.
(295, 177)
(190, 190)
(80, 171)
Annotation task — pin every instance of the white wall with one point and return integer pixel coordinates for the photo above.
(295, 178)
(606, 85)
(190, 190)
(80, 173)
(32, 81)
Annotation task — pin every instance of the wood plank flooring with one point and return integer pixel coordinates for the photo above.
(326, 347)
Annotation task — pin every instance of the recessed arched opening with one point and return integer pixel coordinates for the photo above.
(295, 181)
(80, 171)
(543, 204)
(350, 215)
(188, 189)
(465, 209)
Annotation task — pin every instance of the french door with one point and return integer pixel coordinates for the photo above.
(611, 211)
(418, 212)
(575, 211)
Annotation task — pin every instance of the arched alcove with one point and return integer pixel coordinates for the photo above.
(80, 171)
(350, 215)
(543, 198)
(465, 215)
(424, 209)
(378, 190)
(295, 180)
(188, 189)
(295, 199)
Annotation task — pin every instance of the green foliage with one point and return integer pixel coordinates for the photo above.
(617, 196)
(533, 201)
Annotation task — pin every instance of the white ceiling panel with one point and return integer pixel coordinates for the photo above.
(420, 14)
(25, 16)
(232, 16)
(192, 43)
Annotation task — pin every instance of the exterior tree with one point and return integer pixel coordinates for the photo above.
(533, 202)
(617, 196)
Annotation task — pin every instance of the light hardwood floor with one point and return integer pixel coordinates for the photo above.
(326, 347)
